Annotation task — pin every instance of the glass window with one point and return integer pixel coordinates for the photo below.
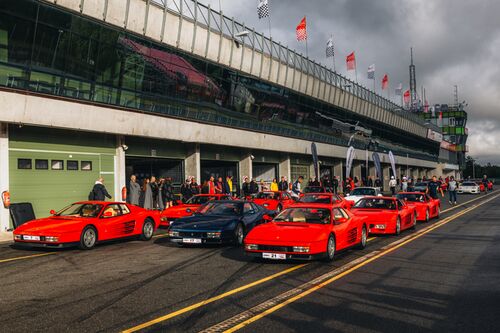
(72, 165)
(24, 163)
(112, 210)
(57, 165)
(41, 164)
(247, 208)
(86, 166)
(125, 209)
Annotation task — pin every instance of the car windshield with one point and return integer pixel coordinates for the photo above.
(313, 189)
(266, 195)
(375, 203)
(81, 210)
(411, 197)
(304, 215)
(200, 200)
(469, 184)
(363, 191)
(316, 198)
(220, 208)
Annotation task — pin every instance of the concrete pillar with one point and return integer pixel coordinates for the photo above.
(399, 172)
(414, 173)
(356, 170)
(119, 170)
(4, 174)
(387, 176)
(284, 168)
(337, 172)
(245, 167)
(192, 164)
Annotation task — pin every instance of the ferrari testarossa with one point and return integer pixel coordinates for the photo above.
(425, 206)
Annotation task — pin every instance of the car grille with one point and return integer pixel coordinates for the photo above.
(276, 248)
(193, 234)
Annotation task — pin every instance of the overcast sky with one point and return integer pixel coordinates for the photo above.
(455, 42)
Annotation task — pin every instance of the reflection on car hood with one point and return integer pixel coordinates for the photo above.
(276, 232)
(53, 224)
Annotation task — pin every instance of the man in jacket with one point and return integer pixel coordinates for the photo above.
(335, 184)
(99, 192)
(245, 188)
(296, 187)
(186, 190)
(283, 184)
(134, 191)
(392, 185)
(254, 187)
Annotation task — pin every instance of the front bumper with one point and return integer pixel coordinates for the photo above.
(44, 245)
(289, 256)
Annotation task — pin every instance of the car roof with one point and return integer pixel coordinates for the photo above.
(378, 198)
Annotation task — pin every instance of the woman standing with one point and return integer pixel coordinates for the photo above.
(147, 194)
(274, 185)
(452, 190)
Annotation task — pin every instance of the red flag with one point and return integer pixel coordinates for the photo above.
(301, 30)
(406, 97)
(385, 81)
(351, 61)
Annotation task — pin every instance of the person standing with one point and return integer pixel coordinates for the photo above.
(392, 185)
(452, 190)
(485, 183)
(274, 185)
(148, 195)
(296, 187)
(99, 192)
(134, 191)
(254, 187)
(219, 186)
(283, 184)
(228, 185)
(433, 187)
(211, 185)
(195, 188)
(404, 184)
(335, 184)
(154, 191)
(168, 193)
(245, 188)
(186, 190)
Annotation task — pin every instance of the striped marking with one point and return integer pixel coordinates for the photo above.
(247, 317)
(26, 257)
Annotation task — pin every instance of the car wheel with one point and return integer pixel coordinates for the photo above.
(239, 234)
(88, 239)
(148, 229)
(364, 238)
(330, 248)
(427, 216)
(414, 225)
(398, 226)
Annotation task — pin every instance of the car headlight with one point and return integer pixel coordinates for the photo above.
(173, 233)
(18, 237)
(164, 219)
(301, 249)
(51, 239)
(251, 247)
(188, 210)
(213, 234)
(266, 205)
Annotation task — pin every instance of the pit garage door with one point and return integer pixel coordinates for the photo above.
(264, 171)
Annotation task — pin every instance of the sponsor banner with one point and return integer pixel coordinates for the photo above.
(314, 152)
(393, 163)
(433, 135)
(378, 167)
(348, 161)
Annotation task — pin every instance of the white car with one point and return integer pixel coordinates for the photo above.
(360, 192)
(469, 187)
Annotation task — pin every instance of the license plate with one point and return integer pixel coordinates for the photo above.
(191, 240)
(277, 256)
(31, 238)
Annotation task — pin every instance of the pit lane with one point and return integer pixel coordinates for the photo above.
(123, 284)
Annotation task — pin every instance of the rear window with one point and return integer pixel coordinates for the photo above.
(376, 203)
(316, 198)
(305, 215)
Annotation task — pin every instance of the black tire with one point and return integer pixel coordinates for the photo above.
(364, 238)
(414, 225)
(398, 226)
(427, 216)
(88, 238)
(330, 248)
(148, 229)
(239, 235)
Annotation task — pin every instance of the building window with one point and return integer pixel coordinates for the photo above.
(86, 166)
(41, 164)
(57, 165)
(72, 165)
(24, 163)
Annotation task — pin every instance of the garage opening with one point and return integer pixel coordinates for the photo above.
(145, 167)
(264, 171)
(219, 169)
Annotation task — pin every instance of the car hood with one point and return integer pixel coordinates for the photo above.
(374, 215)
(53, 224)
(276, 232)
(179, 209)
(203, 222)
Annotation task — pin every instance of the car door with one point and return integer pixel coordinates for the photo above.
(405, 212)
(114, 223)
(345, 230)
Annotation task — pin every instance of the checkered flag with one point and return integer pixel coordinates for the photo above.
(399, 89)
(263, 9)
(330, 52)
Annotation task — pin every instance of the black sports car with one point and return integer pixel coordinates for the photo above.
(219, 222)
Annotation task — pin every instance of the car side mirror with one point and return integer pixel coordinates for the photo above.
(52, 212)
(341, 220)
(107, 214)
(267, 218)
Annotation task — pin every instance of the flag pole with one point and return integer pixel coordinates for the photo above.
(307, 53)
(356, 69)
(333, 53)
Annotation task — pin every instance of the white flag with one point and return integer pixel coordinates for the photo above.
(371, 72)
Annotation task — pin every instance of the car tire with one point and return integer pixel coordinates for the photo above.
(239, 234)
(427, 216)
(148, 229)
(88, 238)
(414, 225)
(364, 238)
(330, 248)
(398, 226)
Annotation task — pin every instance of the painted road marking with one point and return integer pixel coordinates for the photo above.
(211, 300)
(26, 257)
(247, 317)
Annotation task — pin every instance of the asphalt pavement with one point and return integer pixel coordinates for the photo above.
(445, 279)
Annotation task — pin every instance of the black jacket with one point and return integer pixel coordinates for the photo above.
(100, 192)
(283, 185)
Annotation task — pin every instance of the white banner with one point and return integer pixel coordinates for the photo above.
(348, 161)
(393, 164)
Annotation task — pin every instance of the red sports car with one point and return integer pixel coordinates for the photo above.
(385, 215)
(425, 206)
(307, 232)
(324, 198)
(86, 223)
(171, 214)
(273, 200)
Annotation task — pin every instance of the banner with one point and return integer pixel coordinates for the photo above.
(315, 160)
(378, 167)
(393, 163)
(348, 161)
